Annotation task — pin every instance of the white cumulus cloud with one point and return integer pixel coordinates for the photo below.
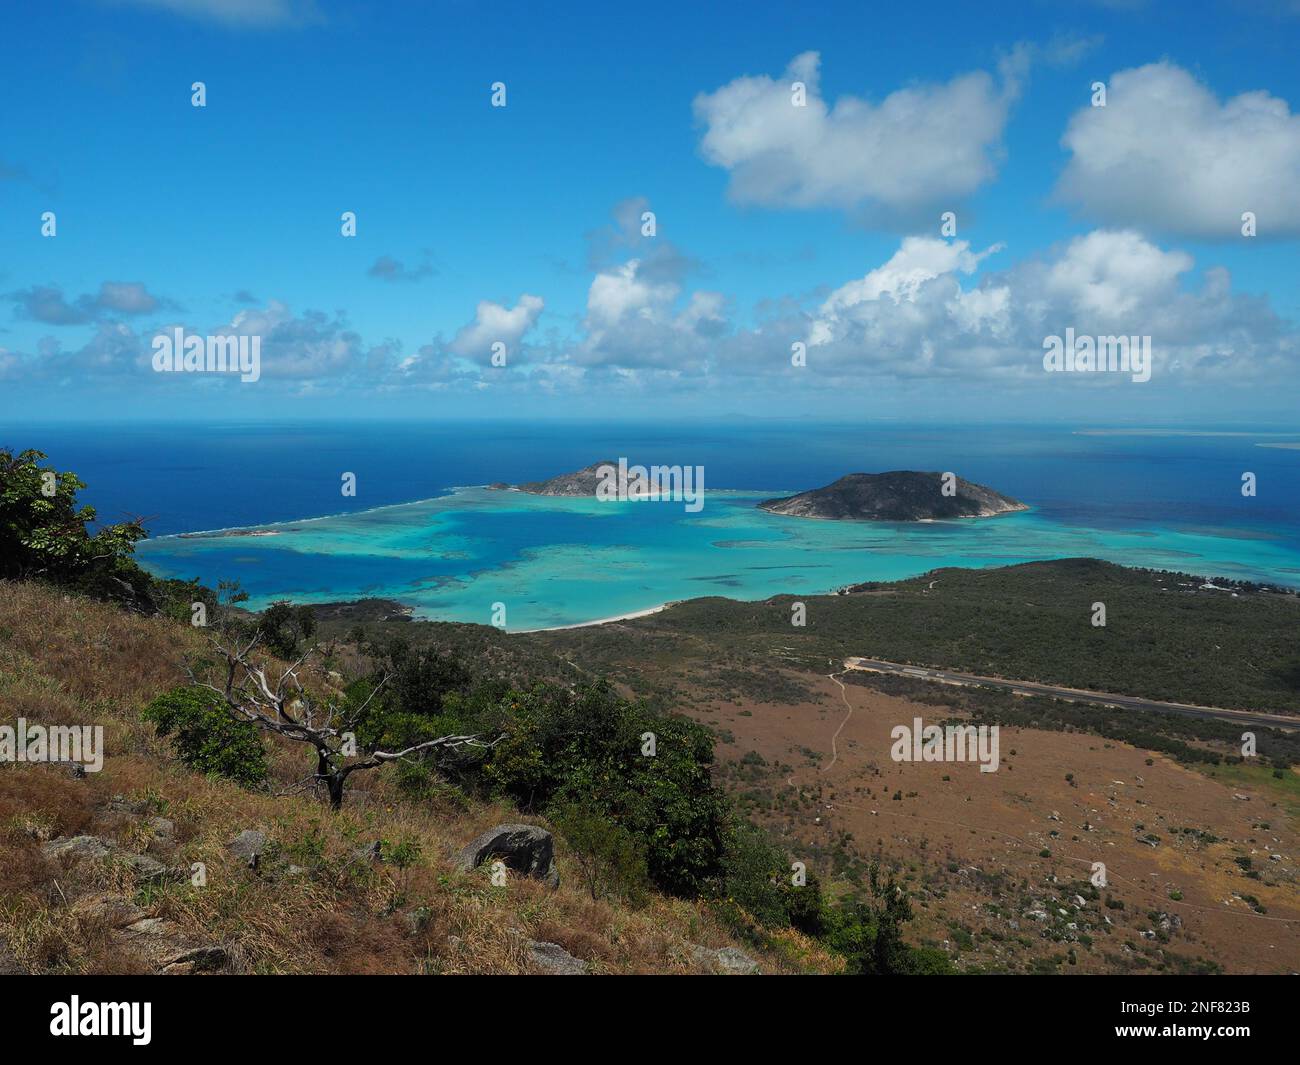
(1165, 155)
(918, 146)
(495, 322)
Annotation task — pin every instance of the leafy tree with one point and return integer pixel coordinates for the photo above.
(45, 534)
(757, 881)
(283, 627)
(585, 745)
(869, 934)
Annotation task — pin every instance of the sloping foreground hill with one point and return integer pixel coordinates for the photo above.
(318, 902)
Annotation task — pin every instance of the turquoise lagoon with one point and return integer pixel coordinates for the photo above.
(563, 561)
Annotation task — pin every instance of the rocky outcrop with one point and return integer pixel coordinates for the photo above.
(581, 482)
(74, 850)
(728, 961)
(526, 849)
(249, 845)
(158, 943)
(554, 960)
(901, 495)
(151, 871)
(169, 952)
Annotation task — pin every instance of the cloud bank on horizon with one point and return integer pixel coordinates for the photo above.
(959, 216)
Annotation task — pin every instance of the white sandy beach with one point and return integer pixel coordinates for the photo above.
(601, 621)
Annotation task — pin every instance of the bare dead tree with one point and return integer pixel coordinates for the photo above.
(283, 706)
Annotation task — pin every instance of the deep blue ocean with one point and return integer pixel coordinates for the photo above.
(1181, 495)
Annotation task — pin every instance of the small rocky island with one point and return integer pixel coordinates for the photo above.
(900, 495)
(579, 483)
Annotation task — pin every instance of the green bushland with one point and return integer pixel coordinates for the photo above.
(1165, 636)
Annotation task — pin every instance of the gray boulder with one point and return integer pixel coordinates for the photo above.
(249, 845)
(554, 960)
(77, 848)
(151, 871)
(163, 828)
(195, 960)
(73, 850)
(526, 849)
(729, 961)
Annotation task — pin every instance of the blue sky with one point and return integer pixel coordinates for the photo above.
(775, 224)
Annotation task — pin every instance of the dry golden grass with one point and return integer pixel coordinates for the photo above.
(68, 660)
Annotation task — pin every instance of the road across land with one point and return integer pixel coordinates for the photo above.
(1074, 695)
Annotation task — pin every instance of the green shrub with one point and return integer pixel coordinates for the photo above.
(610, 859)
(207, 738)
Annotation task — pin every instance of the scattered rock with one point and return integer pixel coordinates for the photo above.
(526, 849)
(554, 959)
(120, 804)
(151, 871)
(249, 845)
(735, 961)
(415, 920)
(77, 848)
(163, 828)
(150, 926)
(729, 961)
(195, 960)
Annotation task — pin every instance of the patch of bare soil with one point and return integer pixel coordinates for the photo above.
(1198, 873)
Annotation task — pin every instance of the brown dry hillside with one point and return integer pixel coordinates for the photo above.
(319, 903)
